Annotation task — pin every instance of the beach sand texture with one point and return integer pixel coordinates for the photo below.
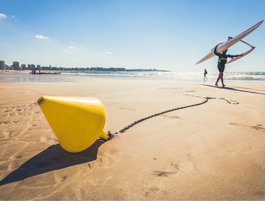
(212, 151)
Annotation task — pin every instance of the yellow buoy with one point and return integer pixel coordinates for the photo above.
(77, 122)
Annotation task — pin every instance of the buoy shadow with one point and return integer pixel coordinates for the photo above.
(53, 158)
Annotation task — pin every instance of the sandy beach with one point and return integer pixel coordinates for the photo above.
(212, 151)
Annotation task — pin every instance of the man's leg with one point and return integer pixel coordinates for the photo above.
(222, 79)
(218, 79)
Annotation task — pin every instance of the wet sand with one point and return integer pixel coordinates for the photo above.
(212, 151)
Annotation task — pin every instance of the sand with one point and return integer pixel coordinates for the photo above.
(213, 151)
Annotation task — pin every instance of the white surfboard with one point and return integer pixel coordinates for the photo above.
(225, 45)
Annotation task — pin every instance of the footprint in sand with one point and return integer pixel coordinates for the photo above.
(8, 110)
(11, 131)
(12, 114)
(168, 88)
(258, 127)
(45, 138)
(151, 194)
(94, 163)
(176, 166)
(121, 108)
(4, 122)
(163, 174)
(36, 112)
(59, 178)
(235, 124)
(173, 117)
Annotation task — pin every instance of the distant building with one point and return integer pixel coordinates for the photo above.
(120, 69)
(38, 67)
(32, 67)
(44, 68)
(2, 65)
(23, 66)
(16, 65)
(110, 69)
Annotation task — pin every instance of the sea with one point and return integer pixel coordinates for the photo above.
(186, 76)
(140, 75)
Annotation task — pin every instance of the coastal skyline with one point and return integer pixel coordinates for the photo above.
(166, 35)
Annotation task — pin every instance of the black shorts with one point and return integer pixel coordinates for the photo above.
(220, 68)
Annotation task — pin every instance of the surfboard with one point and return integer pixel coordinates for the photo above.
(225, 45)
(239, 57)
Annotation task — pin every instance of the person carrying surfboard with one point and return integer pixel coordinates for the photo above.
(221, 63)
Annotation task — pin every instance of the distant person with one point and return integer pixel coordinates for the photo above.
(221, 63)
(205, 73)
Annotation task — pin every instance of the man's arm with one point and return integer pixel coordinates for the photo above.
(232, 56)
(215, 51)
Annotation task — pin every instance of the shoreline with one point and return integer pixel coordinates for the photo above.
(14, 76)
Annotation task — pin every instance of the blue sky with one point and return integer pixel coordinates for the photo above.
(163, 34)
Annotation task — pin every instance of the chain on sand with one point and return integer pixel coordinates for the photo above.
(112, 135)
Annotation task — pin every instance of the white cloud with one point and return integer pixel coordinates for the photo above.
(41, 37)
(69, 48)
(3, 16)
(108, 52)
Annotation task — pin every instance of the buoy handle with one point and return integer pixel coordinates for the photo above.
(104, 135)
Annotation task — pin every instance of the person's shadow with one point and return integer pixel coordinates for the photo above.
(53, 158)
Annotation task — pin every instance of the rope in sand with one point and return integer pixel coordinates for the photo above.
(228, 101)
(112, 135)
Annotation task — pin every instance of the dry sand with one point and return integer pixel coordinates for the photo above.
(214, 151)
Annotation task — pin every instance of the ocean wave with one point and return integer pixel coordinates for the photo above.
(173, 75)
